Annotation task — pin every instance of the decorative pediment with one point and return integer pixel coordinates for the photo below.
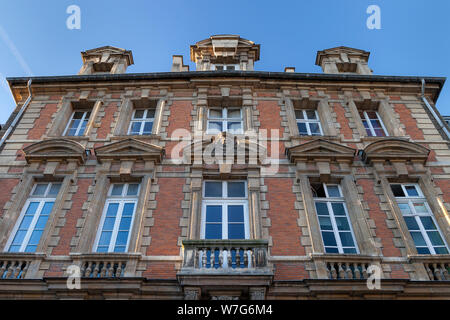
(223, 147)
(395, 150)
(320, 150)
(55, 150)
(107, 51)
(337, 51)
(130, 149)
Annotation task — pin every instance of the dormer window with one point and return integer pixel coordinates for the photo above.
(224, 67)
(225, 120)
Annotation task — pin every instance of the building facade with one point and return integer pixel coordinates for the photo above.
(225, 182)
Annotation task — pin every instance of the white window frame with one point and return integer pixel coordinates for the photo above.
(142, 120)
(308, 121)
(410, 200)
(121, 200)
(214, 65)
(224, 119)
(42, 199)
(329, 200)
(80, 125)
(224, 202)
(371, 128)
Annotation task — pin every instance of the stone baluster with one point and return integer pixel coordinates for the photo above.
(10, 269)
(437, 272)
(357, 272)
(341, 271)
(120, 265)
(102, 268)
(3, 269)
(96, 269)
(204, 257)
(445, 267)
(333, 272)
(348, 270)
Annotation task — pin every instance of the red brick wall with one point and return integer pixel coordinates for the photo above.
(270, 119)
(69, 230)
(290, 271)
(160, 270)
(379, 217)
(283, 216)
(180, 117)
(166, 229)
(346, 131)
(105, 126)
(398, 272)
(6, 187)
(410, 123)
(40, 124)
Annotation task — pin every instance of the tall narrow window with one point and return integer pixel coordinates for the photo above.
(225, 210)
(373, 124)
(337, 233)
(308, 123)
(225, 119)
(117, 218)
(419, 219)
(142, 122)
(34, 216)
(77, 123)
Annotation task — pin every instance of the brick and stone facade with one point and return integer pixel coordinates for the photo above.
(163, 259)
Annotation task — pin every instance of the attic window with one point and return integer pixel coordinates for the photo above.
(225, 67)
(346, 67)
(102, 67)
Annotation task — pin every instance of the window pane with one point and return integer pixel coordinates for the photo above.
(314, 128)
(435, 238)
(372, 114)
(47, 208)
(299, 114)
(342, 223)
(441, 250)
(135, 128)
(40, 224)
(404, 208)
(139, 114)
(32, 207)
(234, 113)
(423, 250)
(30, 248)
(117, 189)
(234, 126)
(213, 231)
(375, 124)
(318, 190)
(311, 114)
(397, 190)
(14, 248)
(78, 115)
(349, 250)
(112, 210)
(83, 126)
(35, 237)
(420, 207)
(214, 213)
(132, 189)
(379, 132)
(128, 209)
(333, 191)
(214, 126)
(122, 237)
(148, 127)
(325, 223)
(322, 208)
(54, 189)
(18, 238)
(213, 189)
(105, 238)
(331, 250)
(219, 68)
(236, 231)
(236, 189)
(108, 225)
(338, 209)
(428, 223)
(346, 239)
(119, 249)
(25, 222)
(71, 132)
(102, 249)
(231, 67)
(40, 189)
(215, 113)
(411, 223)
(418, 239)
(328, 239)
(412, 191)
(302, 128)
(236, 213)
(150, 113)
(125, 223)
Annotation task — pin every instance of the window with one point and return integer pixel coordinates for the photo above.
(308, 123)
(373, 124)
(225, 119)
(419, 219)
(142, 122)
(77, 123)
(225, 210)
(117, 218)
(226, 67)
(33, 218)
(337, 233)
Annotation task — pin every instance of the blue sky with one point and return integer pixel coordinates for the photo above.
(413, 40)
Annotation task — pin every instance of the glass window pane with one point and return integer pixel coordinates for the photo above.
(441, 250)
(83, 126)
(30, 248)
(117, 189)
(234, 113)
(125, 223)
(435, 238)
(236, 231)
(428, 223)
(338, 209)
(40, 189)
(132, 189)
(150, 113)
(213, 189)
(108, 225)
(54, 189)
(379, 132)
(40, 224)
(412, 191)
(105, 237)
(47, 208)
(318, 190)
(342, 223)
(397, 190)
(148, 127)
(322, 208)
(219, 68)
(14, 248)
(346, 239)
(230, 67)
(302, 128)
(25, 222)
(404, 208)
(314, 128)
(375, 124)
(423, 250)
(35, 237)
(122, 237)
(78, 115)
(215, 113)
(112, 210)
(418, 239)
(213, 213)
(372, 114)
(139, 114)
(128, 209)
(325, 223)
(119, 249)
(234, 127)
(331, 250)
(236, 189)
(214, 126)
(420, 207)
(213, 231)
(71, 132)
(299, 114)
(102, 249)
(32, 207)
(333, 191)
(311, 114)
(328, 238)
(235, 213)
(135, 128)
(349, 250)
(18, 238)
(411, 223)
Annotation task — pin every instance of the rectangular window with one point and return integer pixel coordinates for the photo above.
(335, 226)
(225, 120)
(117, 218)
(33, 218)
(224, 67)
(373, 124)
(308, 123)
(142, 122)
(225, 210)
(419, 219)
(77, 123)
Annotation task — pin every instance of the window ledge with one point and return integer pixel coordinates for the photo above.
(138, 137)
